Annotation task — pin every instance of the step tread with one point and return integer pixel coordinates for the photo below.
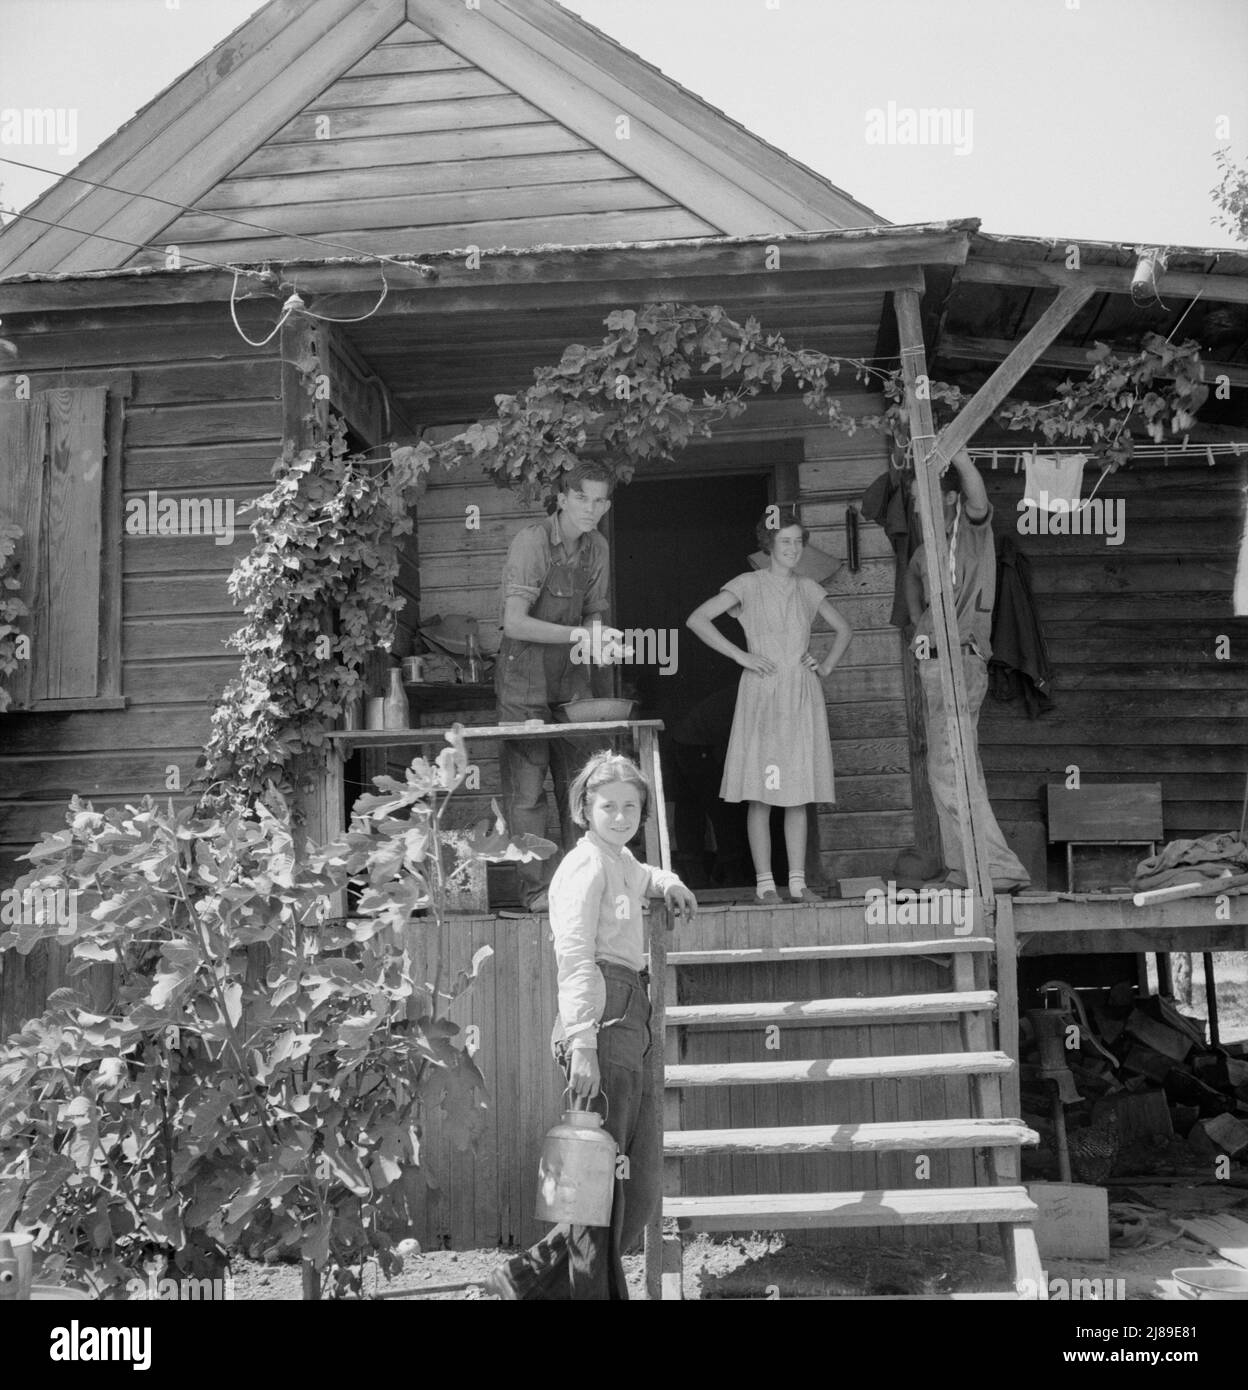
(873, 1006)
(746, 955)
(908, 1135)
(883, 1207)
(839, 1069)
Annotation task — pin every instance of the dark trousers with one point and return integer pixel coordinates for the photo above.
(699, 771)
(585, 1262)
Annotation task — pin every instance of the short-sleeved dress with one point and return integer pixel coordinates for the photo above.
(779, 751)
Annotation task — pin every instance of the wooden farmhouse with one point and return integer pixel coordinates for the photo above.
(457, 195)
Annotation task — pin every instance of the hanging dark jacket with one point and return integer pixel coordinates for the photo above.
(1020, 665)
(888, 502)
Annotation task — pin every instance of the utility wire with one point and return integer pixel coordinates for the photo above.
(142, 246)
(427, 271)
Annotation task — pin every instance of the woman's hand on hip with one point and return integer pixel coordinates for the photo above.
(584, 1077)
(760, 665)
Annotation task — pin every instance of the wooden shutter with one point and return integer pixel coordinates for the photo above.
(54, 454)
(23, 453)
(72, 488)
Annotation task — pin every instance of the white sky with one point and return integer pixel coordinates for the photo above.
(1088, 118)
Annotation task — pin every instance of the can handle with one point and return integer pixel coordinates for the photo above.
(576, 1101)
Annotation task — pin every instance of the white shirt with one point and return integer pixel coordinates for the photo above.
(595, 914)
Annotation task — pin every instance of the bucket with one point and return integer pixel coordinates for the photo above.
(17, 1266)
(1218, 1285)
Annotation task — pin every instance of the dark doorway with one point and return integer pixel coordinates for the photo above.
(675, 543)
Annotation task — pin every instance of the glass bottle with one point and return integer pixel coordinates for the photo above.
(396, 708)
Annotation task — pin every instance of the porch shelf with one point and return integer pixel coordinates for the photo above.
(344, 740)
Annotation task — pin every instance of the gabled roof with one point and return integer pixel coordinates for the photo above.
(411, 127)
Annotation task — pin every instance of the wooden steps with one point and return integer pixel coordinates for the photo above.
(754, 1150)
(867, 950)
(912, 1136)
(786, 1211)
(842, 1069)
(882, 1008)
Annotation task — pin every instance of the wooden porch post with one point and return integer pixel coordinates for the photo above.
(930, 454)
(939, 585)
(305, 420)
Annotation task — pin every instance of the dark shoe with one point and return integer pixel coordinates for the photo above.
(499, 1285)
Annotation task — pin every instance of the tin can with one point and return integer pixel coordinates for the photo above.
(413, 670)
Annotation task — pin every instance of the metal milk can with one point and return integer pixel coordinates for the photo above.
(576, 1174)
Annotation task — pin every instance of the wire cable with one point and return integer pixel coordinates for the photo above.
(427, 271)
(140, 245)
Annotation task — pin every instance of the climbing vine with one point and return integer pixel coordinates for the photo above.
(11, 609)
(327, 534)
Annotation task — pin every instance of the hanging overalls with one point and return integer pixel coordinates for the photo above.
(530, 679)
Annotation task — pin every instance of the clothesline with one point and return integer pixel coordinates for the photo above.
(1016, 453)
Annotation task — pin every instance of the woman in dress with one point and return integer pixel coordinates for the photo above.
(779, 753)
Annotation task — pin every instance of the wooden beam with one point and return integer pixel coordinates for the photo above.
(545, 280)
(979, 410)
(1107, 279)
(941, 597)
(1062, 358)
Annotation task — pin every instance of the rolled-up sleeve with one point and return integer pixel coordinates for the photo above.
(575, 903)
(660, 880)
(525, 568)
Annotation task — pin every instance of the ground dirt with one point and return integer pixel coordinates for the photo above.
(766, 1266)
(763, 1265)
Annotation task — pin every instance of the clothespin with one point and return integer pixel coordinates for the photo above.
(994, 460)
(1209, 454)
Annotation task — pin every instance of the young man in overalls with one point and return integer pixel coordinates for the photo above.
(972, 554)
(555, 582)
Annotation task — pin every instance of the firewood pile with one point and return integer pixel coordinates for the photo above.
(1154, 1077)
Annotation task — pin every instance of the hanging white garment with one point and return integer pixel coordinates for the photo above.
(1054, 481)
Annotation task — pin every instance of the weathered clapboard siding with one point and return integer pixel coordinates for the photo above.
(414, 148)
(1142, 693)
(461, 564)
(203, 420)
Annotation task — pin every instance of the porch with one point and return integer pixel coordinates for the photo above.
(780, 954)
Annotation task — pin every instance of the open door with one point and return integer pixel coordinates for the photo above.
(676, 538)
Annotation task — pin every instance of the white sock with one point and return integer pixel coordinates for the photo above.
(766, 884)
(797, 884)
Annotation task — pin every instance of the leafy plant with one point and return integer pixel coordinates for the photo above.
(318, 590)
(11, 608)
(1231, 196)
(327, 534)
(262, 1074)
